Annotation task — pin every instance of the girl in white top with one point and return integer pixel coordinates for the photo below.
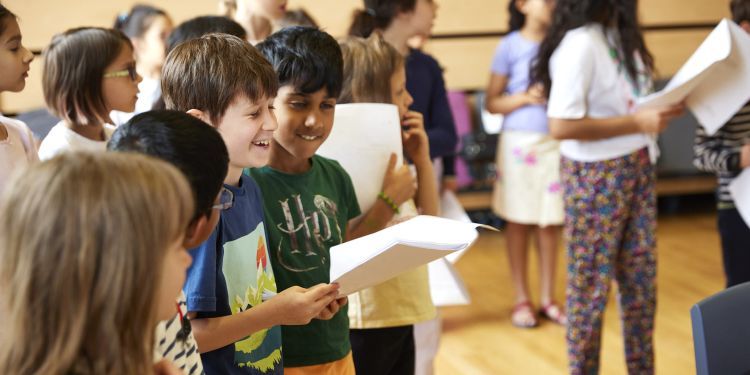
(17, 144)
(148, 28)
(594, 65)
(88, 72)
(256, 16)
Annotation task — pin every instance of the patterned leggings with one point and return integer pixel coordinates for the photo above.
(610, 224)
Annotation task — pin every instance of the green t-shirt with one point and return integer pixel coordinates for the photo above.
(306, 215)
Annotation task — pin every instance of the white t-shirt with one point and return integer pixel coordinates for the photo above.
(61, 138)
(587, 82)
(17, 151)
(149, 90)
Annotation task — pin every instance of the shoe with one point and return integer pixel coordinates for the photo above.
(553, 313)
(519, 312)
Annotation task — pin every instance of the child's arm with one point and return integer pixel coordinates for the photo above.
(712, 155)
(650, 120)
(293, 306)
(417, 148)
(498, 102)
(398, 185)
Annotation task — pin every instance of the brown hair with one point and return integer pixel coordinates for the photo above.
(740, 10)
(368, 67)
(74, 65)
(209, 72)
(83, 238)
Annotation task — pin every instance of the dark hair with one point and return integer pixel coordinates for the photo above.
(571, 14)
(4, 13)
(136, 22)
(74, 65)
(297, 17)
(378, 14)
(184, 141)
(209, 72)
(740, 10)
(200, 26)
(306, 58)
(517, 19)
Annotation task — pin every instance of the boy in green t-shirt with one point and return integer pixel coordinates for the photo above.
(309, 200)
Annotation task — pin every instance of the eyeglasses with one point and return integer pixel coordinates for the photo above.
(127, 72)
(226, 200)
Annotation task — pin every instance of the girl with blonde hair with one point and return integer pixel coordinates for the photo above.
(91, 257)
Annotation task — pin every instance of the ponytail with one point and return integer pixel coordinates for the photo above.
(378, 15)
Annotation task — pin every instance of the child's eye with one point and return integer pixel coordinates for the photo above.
(298, 105)
(327, 106)
(254, 114)
(271, 107)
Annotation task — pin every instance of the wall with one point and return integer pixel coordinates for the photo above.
(466, 31)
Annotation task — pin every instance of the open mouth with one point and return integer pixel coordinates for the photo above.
(309, 137)
(263, 143)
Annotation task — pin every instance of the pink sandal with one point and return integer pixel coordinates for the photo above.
(523, 308)
(552, 312)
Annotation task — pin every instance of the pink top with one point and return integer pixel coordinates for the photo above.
(17, 150)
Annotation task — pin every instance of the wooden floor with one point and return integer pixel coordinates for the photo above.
(479, 339)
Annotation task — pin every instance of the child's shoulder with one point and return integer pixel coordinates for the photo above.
(329, 165)
(19, 127)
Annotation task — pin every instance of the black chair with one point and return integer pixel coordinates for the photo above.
(721, 332)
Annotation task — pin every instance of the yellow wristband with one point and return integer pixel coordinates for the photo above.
(382, 195)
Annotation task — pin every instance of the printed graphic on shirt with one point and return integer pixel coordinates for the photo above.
(308, 233)
(260, 351)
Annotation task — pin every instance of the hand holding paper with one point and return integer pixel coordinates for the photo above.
(370, 260)
(714, 81)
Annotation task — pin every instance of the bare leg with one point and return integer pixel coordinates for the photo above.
(517, 236)
(547, 242)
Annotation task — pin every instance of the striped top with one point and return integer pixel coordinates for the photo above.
(720, 153)
(175, 342)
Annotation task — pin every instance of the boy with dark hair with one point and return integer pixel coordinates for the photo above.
(225, 82)
(727, 153)
(309, 199)
(184, 141)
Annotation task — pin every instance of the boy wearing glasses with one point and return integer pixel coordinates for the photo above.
(173, 137)
(225, 82)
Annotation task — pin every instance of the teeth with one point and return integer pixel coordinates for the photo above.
(261, 143)
(308, 137)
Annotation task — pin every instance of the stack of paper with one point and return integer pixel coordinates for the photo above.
(372, 259)
(715, 81)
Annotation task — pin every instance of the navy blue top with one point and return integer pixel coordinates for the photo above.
(424, 80)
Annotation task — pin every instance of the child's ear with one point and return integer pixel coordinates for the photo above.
(745, 25)
(197, 113)
(198, 231)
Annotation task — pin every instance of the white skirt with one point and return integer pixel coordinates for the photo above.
(528, 189)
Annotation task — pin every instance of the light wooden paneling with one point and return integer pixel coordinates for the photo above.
(682, 11)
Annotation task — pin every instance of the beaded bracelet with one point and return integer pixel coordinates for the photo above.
(382, 195)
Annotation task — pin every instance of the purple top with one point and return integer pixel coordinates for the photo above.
(512, 59)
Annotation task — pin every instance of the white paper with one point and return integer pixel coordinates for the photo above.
(372, 259)
(740, 190)
(362, 139)
(447, 288)
(450, 208)
(715, 79)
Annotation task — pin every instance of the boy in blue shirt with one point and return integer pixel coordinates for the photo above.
(225, 82)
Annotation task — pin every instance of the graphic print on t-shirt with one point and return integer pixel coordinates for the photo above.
(308, 232)
(245, 286)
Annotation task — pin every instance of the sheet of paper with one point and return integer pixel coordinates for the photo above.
(450, 208)
(740, 190)
(715, 79)
(362, 139)
(446, 285)
(370, 260)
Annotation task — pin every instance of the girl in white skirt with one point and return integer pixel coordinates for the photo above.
(527, 192)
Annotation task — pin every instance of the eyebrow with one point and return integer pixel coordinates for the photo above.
(14, 38)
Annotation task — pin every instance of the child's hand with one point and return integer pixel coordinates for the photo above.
(414, 137)
(329, 311)
(745, 156)
(656, 120)
(298, 306)
(399, 184)
(535, 95)
(166, 367)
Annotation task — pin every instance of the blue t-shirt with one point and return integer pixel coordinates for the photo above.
(229, 274)
(512, 59)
